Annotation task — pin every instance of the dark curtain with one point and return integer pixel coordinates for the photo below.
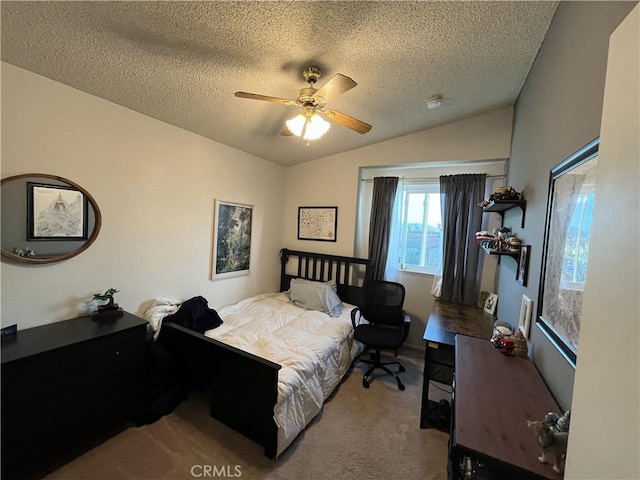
(461, 219)
(384, 194)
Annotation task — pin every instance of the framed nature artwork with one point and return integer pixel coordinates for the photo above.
(317, 223)
(56, 212)
(232, 240)
(570, 206)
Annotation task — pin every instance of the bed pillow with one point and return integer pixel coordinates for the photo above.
(320, 296)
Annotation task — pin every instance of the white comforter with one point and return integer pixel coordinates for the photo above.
(314, 350)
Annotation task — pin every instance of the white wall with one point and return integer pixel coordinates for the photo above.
(333, 181)
(155, 185)
(607, 386)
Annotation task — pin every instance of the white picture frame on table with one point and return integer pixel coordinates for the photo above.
(491, 303)
(526, 309)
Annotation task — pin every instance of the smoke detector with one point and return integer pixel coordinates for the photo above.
(434, 102)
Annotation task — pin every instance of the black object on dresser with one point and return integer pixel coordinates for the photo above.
(66, 387)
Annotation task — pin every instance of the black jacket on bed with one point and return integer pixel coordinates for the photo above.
(196, 315)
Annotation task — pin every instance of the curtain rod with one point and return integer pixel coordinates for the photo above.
(369, 180)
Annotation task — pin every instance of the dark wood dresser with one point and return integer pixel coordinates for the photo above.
(66, 387)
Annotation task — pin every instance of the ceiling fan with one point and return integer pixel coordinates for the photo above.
(311, 124)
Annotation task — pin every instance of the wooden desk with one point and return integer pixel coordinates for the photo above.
(494, 396)
(445, 322)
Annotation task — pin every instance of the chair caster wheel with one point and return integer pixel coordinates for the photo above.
(365, 384)
(401, 386)
(402, 369)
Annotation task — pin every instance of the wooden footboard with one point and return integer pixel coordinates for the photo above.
(243, 387)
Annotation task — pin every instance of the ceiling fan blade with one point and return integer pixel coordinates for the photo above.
(346, 121)
(337, 85)
(264, 98)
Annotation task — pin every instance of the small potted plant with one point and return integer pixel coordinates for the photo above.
(109, 309)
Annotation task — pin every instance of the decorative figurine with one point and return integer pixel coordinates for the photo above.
(500, 330)
(507, 346)
(110, 309)
(557, 423)
(521, 348)
(562, 425)
(553, 444)
(24, 252)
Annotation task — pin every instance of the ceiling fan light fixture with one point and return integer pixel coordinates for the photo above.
(296, 124)
(308, 127)
(316, 128)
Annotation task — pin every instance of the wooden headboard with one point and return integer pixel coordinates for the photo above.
(349, 273)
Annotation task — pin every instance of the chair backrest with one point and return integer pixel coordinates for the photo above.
(383, 302)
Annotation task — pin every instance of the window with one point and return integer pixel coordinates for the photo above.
(420, 236)
(415, 243)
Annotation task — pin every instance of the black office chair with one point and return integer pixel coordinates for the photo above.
(385, 326)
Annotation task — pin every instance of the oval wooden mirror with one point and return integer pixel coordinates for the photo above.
(46, 218)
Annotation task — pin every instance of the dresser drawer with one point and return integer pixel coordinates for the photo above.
(54, 377)
(32, 378)
(101, 357)
(111, 385)
(107, 419)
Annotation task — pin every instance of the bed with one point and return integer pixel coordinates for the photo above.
(268, 387)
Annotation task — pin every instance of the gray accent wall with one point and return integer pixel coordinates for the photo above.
(559, 111)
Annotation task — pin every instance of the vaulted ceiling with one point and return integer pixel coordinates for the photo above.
(181, 62)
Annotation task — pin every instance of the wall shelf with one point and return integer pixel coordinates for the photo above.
(503, 253)
(501, 206)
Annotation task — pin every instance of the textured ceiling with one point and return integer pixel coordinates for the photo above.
(181, 62)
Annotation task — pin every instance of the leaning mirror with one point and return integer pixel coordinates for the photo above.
(572, 196)
(46, 218)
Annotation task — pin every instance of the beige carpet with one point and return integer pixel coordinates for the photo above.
(360, 433)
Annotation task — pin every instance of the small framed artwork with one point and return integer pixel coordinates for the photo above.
(232, 240)
(317, 223)
(523, 265)
(526, 308)
(491, 303)
(56, 212)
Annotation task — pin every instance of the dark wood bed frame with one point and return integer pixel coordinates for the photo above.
(244, 387)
